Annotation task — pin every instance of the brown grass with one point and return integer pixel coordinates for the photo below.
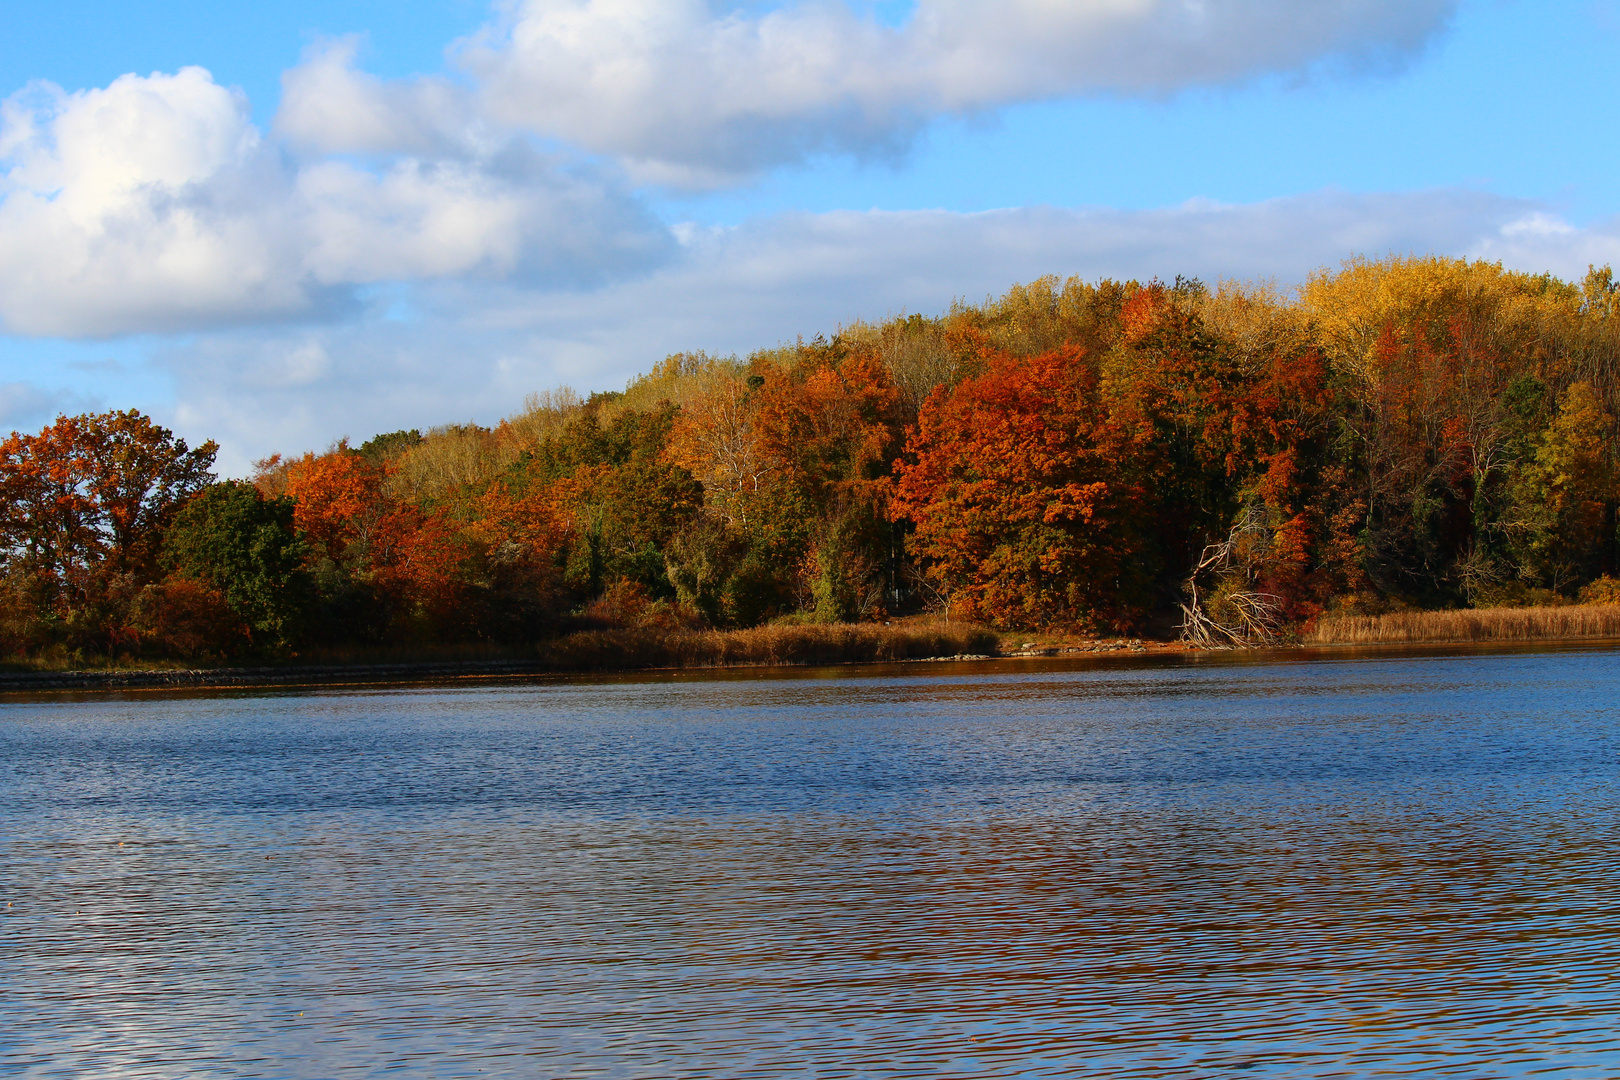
(631, 648)
(590, 650)
(1488, 624)
(843, 643)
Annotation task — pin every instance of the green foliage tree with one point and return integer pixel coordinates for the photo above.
(625, 498)
(1558, 495)
(390, 445)
(244, 545)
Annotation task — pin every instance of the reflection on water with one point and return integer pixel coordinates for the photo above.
(1382, 867)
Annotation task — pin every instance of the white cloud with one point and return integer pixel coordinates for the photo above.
(688, 91)
(154, 205)
(138, 207)
(1540, 242)
(328, 106)
(472, 351)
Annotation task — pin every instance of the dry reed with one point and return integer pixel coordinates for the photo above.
(627, 649)
(763, 645)
(1486, 624)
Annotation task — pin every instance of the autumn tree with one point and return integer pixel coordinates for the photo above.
(385, 566)
(734, 560)
(1027, 507)
(596, 501)
(830, 426)
(1233, 432)
(87, 499)
(1557, 522)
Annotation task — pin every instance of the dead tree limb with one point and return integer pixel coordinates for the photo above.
(1248, 617)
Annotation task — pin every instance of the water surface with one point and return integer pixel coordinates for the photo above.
(1368, 867)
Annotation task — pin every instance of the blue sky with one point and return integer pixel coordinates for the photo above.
(1509, 100)
(367, 215)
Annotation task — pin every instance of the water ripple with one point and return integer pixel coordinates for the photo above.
(1390, 868)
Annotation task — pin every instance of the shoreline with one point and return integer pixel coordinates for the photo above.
(1570, 622)
(462, 671)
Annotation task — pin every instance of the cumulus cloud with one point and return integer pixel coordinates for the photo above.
(155, 205)
(693, 92)
(451, 351)
(329, 106)
(136, 207)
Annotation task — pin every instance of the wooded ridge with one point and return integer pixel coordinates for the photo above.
(1230, 464)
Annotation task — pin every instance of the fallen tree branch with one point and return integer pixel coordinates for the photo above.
(1249, 617)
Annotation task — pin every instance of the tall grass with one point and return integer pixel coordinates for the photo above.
(589, 650)
(1488, 624)
(842, 643)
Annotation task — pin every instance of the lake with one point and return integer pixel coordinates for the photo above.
(1212, 867)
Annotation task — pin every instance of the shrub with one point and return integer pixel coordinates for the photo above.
(1605, 590)
(183, 618)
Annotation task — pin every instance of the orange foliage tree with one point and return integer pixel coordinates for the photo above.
(411, 556)
(1227, 436)
(1027, 505)
(830, 425)
(85, 501)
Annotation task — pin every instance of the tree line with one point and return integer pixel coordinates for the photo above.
(1105, 457)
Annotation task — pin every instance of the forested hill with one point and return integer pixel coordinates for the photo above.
(1109, 456)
